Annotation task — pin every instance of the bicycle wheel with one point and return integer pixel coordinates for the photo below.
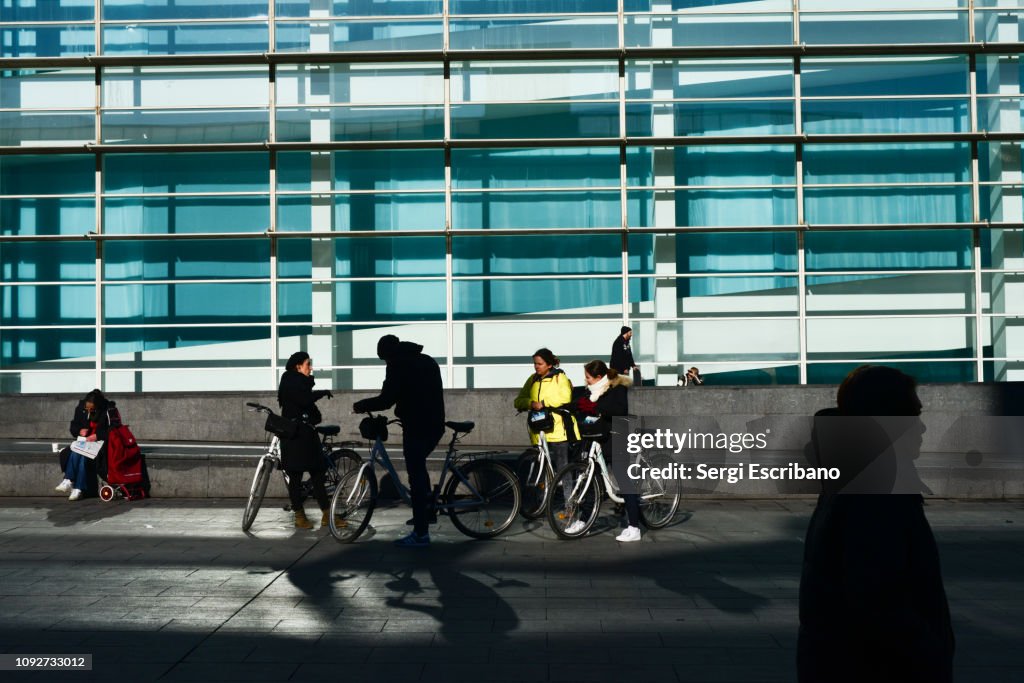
(342, 461)
(264, 469)
(483, 498)
(352, 504)
(534, 485)
(659, 498)
(574, 504)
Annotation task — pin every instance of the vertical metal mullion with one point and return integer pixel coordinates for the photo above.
(272, 25)
(971, 35)
(98, 26)
(272, 187)
(449, 297)
(623, 175)
(98, 215)
(796, 22)
(979, 320)
(801, 219)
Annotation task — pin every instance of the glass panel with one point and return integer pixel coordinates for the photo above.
(185, 260)
(720, 165)
(537, 255)
(51, 40)
(538, 119)
(884, 163)
(185, 127)
(707, 29)
(874, 76)
(342, 213)
(47, 261)
(888, 250)
(709, 118)
(534, 81)
(39, 348)
(532, 6)
(46, 128)
(367, 301)
(1002, 248)
(185, 86)
(913, 293)
(695, 341)
(481, 210)
(890, 338)
(999, 74)
(398, 35)
(886, 116)
(355, 8)
(150, 347)
(718, 78)
(1000, 114)
(362, 170)
(536, 32)
(538, 298)
(182, 214)
(1002, 203)
(886, 205)
(834, 373)
(999, 26)
(1004, 338)
(711, 208)
(184, 39)
(34, 10)
(360, 123)
(47, 216)
(56, 88)
(703, 6)
(701, 297)
(1003, 293)
(359, 84)
(519, 168)
(889, 28)
(713, 252)
(187, 303)
(47, 305)
(363, 257)
(120, 10)
(47, 174)
(186, 172)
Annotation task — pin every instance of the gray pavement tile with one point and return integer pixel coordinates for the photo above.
(585, 670)
(231, 671)
(364, 673)
(471, 671)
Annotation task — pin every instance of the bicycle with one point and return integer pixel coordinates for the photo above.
(338, 459)
(535, 473)
(480, 496)
(577, 493)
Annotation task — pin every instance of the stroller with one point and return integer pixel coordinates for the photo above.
(124, 469)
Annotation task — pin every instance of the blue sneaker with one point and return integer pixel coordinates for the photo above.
(414, 540)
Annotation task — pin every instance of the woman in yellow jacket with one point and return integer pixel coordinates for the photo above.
(549, 387)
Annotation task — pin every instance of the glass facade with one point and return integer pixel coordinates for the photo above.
(773, 191)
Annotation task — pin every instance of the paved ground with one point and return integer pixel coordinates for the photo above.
(172, 590)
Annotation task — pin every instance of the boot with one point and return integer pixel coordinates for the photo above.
(338, 521)
(301, 521)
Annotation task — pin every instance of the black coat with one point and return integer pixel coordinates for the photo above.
(622, 356)
(79, 421)
(297, 399)
(413, 386)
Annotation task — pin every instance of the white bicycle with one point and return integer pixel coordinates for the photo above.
(578, 488)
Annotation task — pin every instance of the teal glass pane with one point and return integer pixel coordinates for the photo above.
(778, 374)
(343, 213)
(47, 216)
(1001, 247)
(362, 170)
(531, 6)
(1002, 25)
(364, 257)
(902, 204)
(399, 35)
(357, 8)
(481, 210)
(1000, 114)
(163, 304)
(47, 305)
(165, 215)
(185, 39)
(121, 10)
(186, 172)
(1001, 293)
(362, 123)
(359, 83)
(169, 127)
(294, 301)
(21, 348)
(883, 163)
(54, 88)
(693, 30)
(1001, 203)
(712, 208)
(705, 78)
(386, 301)
(888, 28)
(536, 255)
(184, 260)
(19, 128)
(1005, 336)
(520, 168)
(714, 252)
(535, 119)
(47, 174)
(118, 342)
(538, 298)
(54, 10)
(712, 118)
(718, 165)
(47, 40)
(707, 5)
(924, 373)
(999, 74)
(539, 81)
(890, 338)
(888, 249)
(876, 76)
(886, 116)
(47, 261)
(913, 293)
(534, 32)
(715, 297)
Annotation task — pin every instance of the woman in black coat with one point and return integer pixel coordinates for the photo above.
(90, 422)
(301, 453)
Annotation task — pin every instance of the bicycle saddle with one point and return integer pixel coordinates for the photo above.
(461, 427)
(329, 430)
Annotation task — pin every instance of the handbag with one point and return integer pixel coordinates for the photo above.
(281, 427)
(373, 428)
(540, 420)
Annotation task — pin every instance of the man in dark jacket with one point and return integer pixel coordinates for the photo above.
(413, 385)
(622, 353)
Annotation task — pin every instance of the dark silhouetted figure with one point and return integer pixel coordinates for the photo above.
(872, 604)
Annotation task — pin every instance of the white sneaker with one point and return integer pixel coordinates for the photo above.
(629, 534)
(76, 494)
(575, 528)
(63, 487)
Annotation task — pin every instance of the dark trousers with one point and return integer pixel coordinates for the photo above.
(295, 488)
(632, 508)
(416, 448)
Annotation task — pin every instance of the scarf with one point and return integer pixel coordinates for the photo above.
(598, 388)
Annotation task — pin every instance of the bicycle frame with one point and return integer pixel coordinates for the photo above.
(544, 457)
(595, 458)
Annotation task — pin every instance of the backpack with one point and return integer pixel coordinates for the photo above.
(124, 457)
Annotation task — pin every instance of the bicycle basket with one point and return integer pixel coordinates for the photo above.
(540, 420)
(281, 427)
(374, 427)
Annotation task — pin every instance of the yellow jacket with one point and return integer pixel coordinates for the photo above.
(553, 390)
